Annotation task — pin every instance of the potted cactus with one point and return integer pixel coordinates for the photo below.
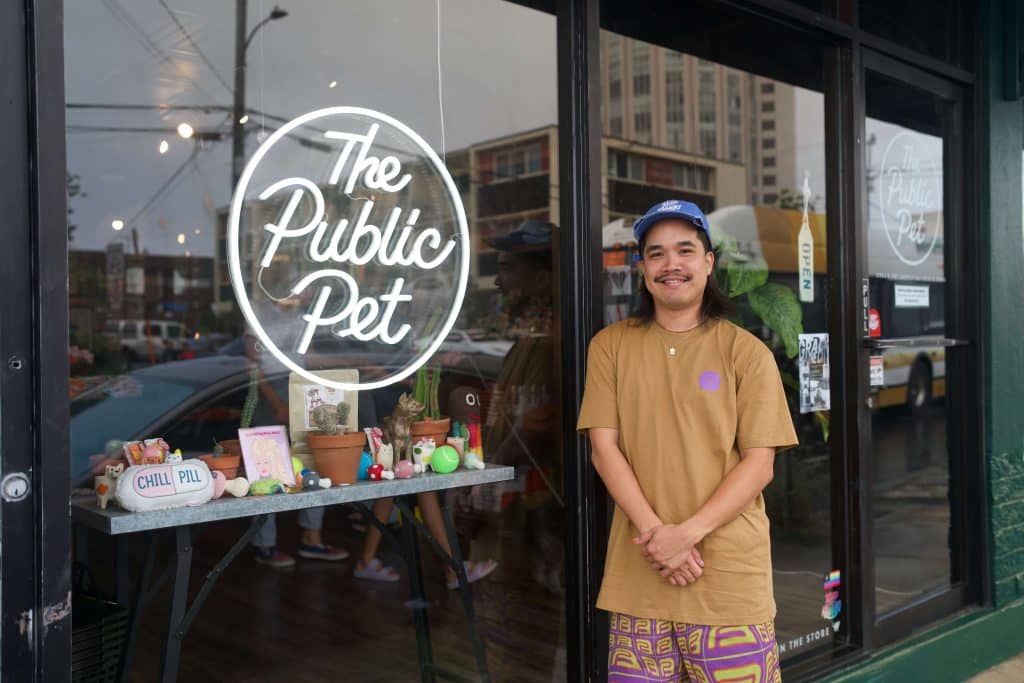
(226, 457)
(336, 451)
(431, 425)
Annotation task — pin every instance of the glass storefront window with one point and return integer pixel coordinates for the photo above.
(906, 261)
(158, 135)
(711, 151)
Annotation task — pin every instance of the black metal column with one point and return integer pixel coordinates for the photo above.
(35, 568)
(580, 303)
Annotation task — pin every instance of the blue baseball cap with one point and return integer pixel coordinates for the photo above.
(671, 208)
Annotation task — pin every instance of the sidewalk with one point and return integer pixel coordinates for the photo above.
(1010, 671)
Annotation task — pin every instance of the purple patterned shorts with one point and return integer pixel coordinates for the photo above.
(669, 651)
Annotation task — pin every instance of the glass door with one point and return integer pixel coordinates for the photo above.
(918, 346)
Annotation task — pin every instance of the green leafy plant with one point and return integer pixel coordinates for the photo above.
(763, 305)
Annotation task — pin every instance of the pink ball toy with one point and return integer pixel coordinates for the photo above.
(404, 469)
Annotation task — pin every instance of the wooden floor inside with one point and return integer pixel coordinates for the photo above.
(316, 622)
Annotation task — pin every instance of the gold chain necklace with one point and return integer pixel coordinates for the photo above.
(671, 346)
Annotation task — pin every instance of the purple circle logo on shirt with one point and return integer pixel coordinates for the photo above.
(710, 380)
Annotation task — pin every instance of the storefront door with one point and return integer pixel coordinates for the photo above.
(917, 412)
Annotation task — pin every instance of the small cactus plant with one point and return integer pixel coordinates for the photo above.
(425, 390)
(331, 420)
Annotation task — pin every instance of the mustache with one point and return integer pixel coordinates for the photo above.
(674, 275)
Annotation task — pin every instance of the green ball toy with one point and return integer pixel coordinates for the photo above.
(444, 460)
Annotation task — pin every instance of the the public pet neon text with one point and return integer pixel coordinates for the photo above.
(365, 318)
(391, 238)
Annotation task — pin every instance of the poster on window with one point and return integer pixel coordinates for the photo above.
(813, 364)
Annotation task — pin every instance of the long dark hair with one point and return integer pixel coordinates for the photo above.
(714, 305)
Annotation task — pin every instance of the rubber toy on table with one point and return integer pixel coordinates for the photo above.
(404, 469)
(444, 460)
(266, 487)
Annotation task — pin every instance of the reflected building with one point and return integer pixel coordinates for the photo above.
(661, 98)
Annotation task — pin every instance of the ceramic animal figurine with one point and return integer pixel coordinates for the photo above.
(423, 451)
(174, 457)
(398, 425)
(106, 484)
(386, 456)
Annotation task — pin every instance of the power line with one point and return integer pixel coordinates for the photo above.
(121, 14)
(199, 51)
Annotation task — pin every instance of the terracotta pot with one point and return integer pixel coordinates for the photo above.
(337, 457)
(231, 447)
(227, 464)
(431, 429)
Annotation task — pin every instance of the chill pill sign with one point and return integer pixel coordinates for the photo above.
(347, 235)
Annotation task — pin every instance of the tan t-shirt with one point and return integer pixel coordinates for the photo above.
(682, 419)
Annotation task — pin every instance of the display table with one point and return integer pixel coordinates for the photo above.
(181, 521)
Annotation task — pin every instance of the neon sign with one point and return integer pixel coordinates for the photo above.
(911, 197)
(366, 214)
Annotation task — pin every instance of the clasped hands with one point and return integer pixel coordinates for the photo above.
(671, 549)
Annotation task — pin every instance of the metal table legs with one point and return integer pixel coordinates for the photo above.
(182, 614)
(409, 545)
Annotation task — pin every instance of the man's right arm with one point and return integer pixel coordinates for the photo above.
(618, 478)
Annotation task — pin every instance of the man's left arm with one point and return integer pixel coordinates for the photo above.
(669, 545)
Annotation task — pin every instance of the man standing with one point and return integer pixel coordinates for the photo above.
(685, 412)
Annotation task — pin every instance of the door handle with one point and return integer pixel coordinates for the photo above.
(914, 343)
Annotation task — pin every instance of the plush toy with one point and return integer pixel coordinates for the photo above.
(386, 456)
(422, 451)
(106, 484)
(157, 487)
(444, 460)
(375, 471)
(266, 487)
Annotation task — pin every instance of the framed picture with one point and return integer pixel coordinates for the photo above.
(266, 453)
(304, 396)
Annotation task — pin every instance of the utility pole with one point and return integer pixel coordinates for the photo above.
(238, 110)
